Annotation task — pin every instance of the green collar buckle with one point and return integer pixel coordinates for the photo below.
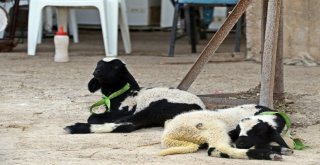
(106, 100)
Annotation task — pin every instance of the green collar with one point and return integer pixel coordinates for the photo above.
(298, 144)
(284, 116)
(106, 99)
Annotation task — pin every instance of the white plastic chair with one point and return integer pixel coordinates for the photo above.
(108, 10)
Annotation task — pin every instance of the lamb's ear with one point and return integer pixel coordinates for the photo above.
(133, 83)
(93, 85)
(276, 137)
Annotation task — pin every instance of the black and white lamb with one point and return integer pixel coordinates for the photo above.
(128, 107)
(264, 129)
(187, 132)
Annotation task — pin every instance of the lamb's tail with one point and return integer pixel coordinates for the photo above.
(230, 152)
(178, 147)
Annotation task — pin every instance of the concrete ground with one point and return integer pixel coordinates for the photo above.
(39, 97)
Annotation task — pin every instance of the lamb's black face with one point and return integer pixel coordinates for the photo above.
(111, 75)
(109, 71)
(253, 132)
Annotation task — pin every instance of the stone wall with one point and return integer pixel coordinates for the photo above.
(301, 31)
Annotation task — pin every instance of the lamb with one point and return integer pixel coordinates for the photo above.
(187, 132)
(129, 107)
(262, 130)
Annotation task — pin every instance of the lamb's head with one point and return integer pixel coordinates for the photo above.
(259, 130)
(111, 74)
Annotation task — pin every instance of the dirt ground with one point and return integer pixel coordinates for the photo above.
(39, 97)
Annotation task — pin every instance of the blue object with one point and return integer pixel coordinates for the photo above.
(216, 2)
(207, 15)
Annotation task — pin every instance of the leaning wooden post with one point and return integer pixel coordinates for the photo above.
(214, 43)
(269, 53)
(278, 91)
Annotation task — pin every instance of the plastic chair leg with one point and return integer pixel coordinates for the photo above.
(47, 12)
(238, 35)
(33, 27)
(112, 26)
(103, 17)
(62, 18)
(190, 28)
(174, 30)
(124, 27)
(73, 25)
(48, 18)
(39, 39)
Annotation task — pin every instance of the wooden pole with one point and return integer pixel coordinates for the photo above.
(278, 91)
(269, 53)
(214, 43)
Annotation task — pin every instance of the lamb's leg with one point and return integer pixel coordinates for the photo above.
(263, 154)
(108, 117)
(84, 128)
(229, 152)
(278, 149)
(219, 141)
(219, 146)
(124, 124)
(100, 119)
(178, 147)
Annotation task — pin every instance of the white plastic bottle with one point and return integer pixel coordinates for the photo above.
(61, 43)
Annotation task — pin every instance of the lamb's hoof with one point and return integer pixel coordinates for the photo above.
(67, 130)
(213, 152)
(275, 157)
(78, 128)
(286, 151)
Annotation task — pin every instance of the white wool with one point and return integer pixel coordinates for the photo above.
(185, 132)
(103, 128)
(129, 102)
(109, 59)
(230, 117)
(147, 96)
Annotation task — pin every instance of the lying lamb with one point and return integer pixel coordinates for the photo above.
(263, 129)
(128, 107)
(188, 131)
